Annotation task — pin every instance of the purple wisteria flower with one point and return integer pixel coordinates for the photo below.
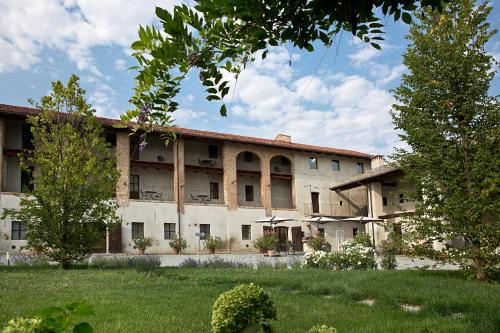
(144, 114)
(143, 142)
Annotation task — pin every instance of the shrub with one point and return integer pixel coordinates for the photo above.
(390, 248)
(245, 306)
(178, 244)
(54, 320)
(213, 243)
(141, 262)
(30, 261)
(353, 256)
(362, 239)
(142, 243)
(319, 243)
(265, 243)
(358, 256)
(322, 329)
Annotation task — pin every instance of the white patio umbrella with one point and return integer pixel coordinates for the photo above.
(364, 220)
(274, 220)
(321, 219)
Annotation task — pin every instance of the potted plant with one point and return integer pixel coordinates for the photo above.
(270, 242)
(266, 244)
(142, 243)
(177, 244)
(212, 244)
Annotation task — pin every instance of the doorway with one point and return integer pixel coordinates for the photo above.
(315, 202)
(339, 236)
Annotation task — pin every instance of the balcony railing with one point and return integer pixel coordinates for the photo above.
(15, 185)
(154, 193)
(203, 197)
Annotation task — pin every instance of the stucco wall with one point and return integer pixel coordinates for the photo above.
(198, 183)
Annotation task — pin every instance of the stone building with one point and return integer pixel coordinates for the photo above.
(205, 182)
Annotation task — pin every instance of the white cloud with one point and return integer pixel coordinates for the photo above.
(120, 64)
(184, 117)
(102, 98)
(73, 27)
(340, 110)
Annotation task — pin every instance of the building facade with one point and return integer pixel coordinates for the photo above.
(204, 182)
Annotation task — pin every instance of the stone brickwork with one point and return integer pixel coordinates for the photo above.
(123, 167)
(2, 143)
(179, 175)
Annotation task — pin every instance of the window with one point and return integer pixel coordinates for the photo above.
(137, 230)
(27, 180)
(247, 156)
(335, 165)
(360, 168)
(168, 230)
(246, 232)
(134, 186)
(340, 203)
(313, 163)
(401, 198)
(214, 191)
(27, 137)
(213, 151)
(205, 230)
(321, 232)
(354, 232)
(384, 201)
(134, 147)
(248, 192)
(18, 230)
(111, 139)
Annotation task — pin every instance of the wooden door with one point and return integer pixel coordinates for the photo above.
(315, 202)
(115, 239)
(282, 237)
(297, 239)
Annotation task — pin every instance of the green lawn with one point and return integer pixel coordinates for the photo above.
(180, 299)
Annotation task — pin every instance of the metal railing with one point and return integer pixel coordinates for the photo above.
(203, 197)
(156, 193)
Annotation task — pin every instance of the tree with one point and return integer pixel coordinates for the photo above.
(220, 37)
(451, 126)
(70, 207)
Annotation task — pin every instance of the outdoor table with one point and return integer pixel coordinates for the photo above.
(203, 198)
(151, 194)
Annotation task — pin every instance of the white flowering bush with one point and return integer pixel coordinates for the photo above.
(352, 256)
(358, 256)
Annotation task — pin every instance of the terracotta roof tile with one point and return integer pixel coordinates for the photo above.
(186, 132)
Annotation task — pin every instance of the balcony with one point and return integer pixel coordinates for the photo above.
(152, 193)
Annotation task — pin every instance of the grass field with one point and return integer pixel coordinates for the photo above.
(180, 299)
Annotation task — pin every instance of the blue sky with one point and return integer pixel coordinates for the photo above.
(338, 97)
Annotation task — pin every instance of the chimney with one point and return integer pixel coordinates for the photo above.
(283, 137)
(377, 161)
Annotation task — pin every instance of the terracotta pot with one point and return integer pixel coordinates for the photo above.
(271, 253)
(141, 251)
(262, 251)
(176, 251)
(211, 251)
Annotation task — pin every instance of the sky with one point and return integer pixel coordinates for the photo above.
(337, 97)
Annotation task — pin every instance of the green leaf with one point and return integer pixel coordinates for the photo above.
(406, 18)
(223, 110)
(375, 45)
(213, 98)
(83, 328)
(137, 45)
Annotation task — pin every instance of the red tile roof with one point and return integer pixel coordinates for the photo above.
(21, 111)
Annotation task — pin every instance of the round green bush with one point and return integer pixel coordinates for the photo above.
(244, 306)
